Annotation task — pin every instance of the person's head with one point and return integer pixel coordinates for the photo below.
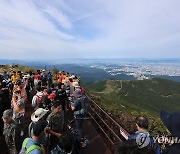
(44, 85)
(57, 107)
(38, 128)
(7, 116)
(14, 72)
(172, 122)
(49, 91)
(38, 88)
(141, 123)
(38, 71)
(52, 96)
(20, 84)
(70, 80)
(59, 85)
(19, 72)
(52, 86)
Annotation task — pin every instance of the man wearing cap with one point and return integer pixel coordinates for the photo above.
(56, 124)
(61, 96)
(172, 123)
(76, 107)
(11, 132)
(32, 145)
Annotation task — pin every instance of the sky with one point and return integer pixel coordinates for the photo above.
(89, 29)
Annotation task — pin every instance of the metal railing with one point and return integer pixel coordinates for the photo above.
(110, 128)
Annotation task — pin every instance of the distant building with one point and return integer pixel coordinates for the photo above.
(142, 77)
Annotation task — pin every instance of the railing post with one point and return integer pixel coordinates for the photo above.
(109, 132)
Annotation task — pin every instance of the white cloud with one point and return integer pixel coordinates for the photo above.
(94, 28)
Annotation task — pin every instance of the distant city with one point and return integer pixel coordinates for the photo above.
(142, 70)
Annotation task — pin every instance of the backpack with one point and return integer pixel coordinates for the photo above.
(31, 148)
(85, 106)
(39, 100)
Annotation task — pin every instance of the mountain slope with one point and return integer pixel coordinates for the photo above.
(147, 97)
(150, 95)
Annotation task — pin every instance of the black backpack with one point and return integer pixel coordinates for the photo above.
(85, 105)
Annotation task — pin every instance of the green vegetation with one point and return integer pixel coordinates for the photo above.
(146, 97)
(9, 68)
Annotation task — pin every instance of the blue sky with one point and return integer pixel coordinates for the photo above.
(55, 29)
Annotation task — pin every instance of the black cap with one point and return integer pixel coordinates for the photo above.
(38, 127)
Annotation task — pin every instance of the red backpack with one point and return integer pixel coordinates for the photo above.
(39, 102)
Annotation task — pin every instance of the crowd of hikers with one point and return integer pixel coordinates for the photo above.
(60, 108)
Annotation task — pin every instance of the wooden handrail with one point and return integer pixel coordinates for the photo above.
(106, 125)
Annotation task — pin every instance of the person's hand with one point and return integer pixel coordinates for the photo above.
(83, 144)
(58, 135)
(46, 130)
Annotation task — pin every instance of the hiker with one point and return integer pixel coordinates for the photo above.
(18, 104)
(37, 78)
(61, 96)
(14, 77)
(172, 123)
(56, 124)
(44, 79)
(37, 98)
(49, 79)
(11, 132)
(27, 85)
(71, 86)
(32, 145)
(59, 77)
(78, 107)
(142, 139)
(46, 101)
(39, 115)
(31, 80)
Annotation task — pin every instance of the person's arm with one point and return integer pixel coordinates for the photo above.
(49, 130)
(34, 101)
(16, 136)
(72, 106)
(53, 133)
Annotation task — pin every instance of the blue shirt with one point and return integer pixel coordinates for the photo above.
(30, 143)
(152, 142)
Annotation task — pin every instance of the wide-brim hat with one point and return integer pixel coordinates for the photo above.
(38, 114)
(172, 122)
